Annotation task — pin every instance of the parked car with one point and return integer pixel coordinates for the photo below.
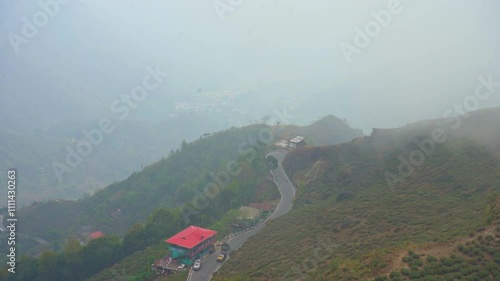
(197, 265)
(225, 247)
(221, 257)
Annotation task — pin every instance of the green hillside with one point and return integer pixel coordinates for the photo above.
(41, 154)
(160, 200)
(168, 183)
(153, 204)
(354, 212)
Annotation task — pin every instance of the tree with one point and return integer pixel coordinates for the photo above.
(183, 145)
(162, 223)
(72, 247)
(100, 253)
(70, 261)
(272, 162)
(27, 270)
(492, 209)
(134, 240)
(47, 267)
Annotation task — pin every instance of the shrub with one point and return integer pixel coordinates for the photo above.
(431, 259)
(405, 272)
(414, 274)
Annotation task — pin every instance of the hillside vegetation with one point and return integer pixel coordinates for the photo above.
(476, 259)
(150, 205)
(168, 183)
(354, 210)
(40, 155)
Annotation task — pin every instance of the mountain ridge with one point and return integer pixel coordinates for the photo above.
(345, 198)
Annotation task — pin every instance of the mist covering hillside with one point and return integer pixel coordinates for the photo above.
(113, 112)
(67, 77)
(362, 205)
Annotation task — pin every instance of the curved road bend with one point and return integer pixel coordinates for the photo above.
(287, 190)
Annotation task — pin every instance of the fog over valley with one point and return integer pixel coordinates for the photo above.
(233, 140)
(92, 52)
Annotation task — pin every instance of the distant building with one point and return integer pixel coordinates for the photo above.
(281, 144)
(190, 244)
(264, 207)
(95, 235)
(248, 216)
(117, 212)
(296, 142)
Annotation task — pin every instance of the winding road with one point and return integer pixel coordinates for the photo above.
(287, 190)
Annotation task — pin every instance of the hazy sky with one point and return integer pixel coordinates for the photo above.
(425, 60)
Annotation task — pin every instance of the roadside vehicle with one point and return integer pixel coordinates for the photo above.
(221, 257)
(225, 247)
(197, 265)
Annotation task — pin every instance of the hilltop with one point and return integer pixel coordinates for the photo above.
(361, 203)
(325, 131)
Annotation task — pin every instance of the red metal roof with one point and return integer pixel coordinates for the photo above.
(96, 234)
(191, 236)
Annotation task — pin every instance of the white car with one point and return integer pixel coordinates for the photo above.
(197, 265)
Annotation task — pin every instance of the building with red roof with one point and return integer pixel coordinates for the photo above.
(96, 234)
(191, 243)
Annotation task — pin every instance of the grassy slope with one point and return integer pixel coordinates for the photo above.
(345, 205)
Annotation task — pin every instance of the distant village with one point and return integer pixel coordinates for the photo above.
(208, 102)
